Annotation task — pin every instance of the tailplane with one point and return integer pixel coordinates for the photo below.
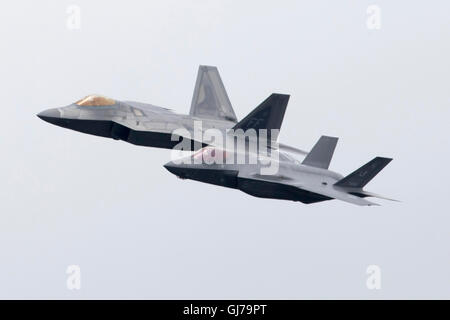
(364, 194)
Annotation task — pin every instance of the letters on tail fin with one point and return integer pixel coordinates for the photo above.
(322, 152)
(268, 115)
(210, 99)
(362, 176)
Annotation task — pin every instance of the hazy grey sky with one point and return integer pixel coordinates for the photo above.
(138, 232)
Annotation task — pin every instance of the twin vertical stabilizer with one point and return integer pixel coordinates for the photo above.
(322, 152)
(362, 176)
(210, 99)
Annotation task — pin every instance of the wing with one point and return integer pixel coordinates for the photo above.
(336, 194)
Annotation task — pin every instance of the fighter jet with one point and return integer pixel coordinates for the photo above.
(149, 125)
(309, 181)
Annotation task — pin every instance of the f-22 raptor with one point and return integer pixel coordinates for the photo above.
(149, 125)
(308, 182)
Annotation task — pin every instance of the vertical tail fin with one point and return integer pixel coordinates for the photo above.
(210, 99)
(268, 115)
(322, 152)
(362, 176)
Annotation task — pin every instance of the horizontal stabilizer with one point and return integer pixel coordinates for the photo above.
(337, 194)
(322, 152)
(210, 99)
(362, 176)
(374, 195)
(268, 115)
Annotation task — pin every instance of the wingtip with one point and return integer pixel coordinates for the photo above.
(276, 94)
(385, 159)
(330, 137)
(204, 66)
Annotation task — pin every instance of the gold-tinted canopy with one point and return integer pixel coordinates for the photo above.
(95, 100)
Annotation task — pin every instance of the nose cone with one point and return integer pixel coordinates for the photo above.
(180, 170)
(172, 167)
(50, 115)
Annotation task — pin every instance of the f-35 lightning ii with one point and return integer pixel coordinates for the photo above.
(308, 182)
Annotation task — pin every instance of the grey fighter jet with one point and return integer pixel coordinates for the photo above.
(308, 181)
(148, 125)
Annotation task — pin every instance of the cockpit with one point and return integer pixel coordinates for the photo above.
(95, 100)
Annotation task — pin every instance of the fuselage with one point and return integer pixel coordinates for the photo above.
(134, 122)
(284, 183)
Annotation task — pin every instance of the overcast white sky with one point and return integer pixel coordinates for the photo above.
(138, 232)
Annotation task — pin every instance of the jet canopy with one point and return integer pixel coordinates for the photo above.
(95, 100)
(210, 154)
